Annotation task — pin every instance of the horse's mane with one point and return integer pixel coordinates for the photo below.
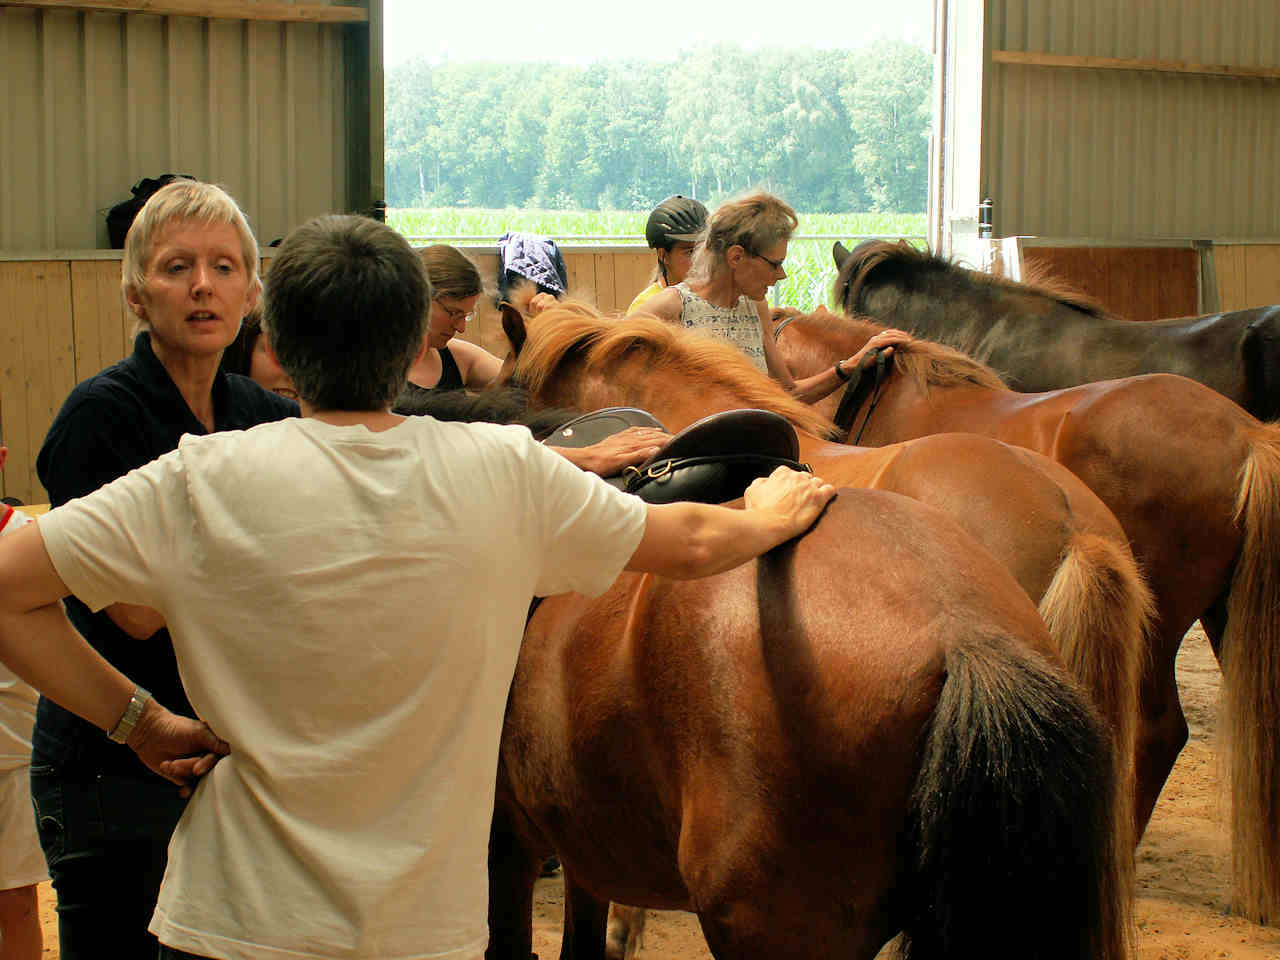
(927, 363)
(576, 331)
(868, 256)
(496, 404)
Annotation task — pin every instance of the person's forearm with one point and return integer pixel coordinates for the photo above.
(820, 385)
(710, 539)
(730, 537)
(581, 457)
(44, 649)
(689, 540)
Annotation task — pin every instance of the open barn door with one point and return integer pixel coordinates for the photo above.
(955, 187)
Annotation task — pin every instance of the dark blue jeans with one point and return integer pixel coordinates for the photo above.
(106, 840)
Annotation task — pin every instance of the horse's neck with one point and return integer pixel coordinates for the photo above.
(815, 348)
(960, 309)
(673, 399)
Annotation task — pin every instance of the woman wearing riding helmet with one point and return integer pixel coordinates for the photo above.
(673, 228)
(738, 258)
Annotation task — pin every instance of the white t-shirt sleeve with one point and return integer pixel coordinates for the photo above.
(590, 529)
(112, 545)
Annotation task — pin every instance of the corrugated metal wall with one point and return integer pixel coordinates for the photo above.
(1116, 153)
(92, 102)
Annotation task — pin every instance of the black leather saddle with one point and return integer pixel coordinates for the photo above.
(711, 461)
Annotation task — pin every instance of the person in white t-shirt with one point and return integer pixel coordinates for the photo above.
(22, 863)
(346, 594)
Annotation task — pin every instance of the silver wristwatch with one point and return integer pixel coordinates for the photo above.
(129, 719)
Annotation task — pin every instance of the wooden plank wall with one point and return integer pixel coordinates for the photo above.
(1139, 283)
(68, 320)
(1248, 275)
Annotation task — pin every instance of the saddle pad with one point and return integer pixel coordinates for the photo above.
(591, 428)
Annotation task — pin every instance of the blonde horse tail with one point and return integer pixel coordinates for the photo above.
(1099, 612)
(1014, 806)
(625, 932)
(1250, 722)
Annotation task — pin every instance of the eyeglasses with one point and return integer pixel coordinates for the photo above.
(455, 315)
(776, 264)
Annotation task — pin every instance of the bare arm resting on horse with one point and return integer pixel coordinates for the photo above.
(825, 382)
(686, 541)
(40, 645)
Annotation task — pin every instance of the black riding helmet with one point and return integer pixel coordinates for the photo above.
(674, 220)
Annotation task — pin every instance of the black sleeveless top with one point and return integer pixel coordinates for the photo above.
(450, 375)
(410, 400)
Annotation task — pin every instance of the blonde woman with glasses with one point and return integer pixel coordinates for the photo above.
(735, 263)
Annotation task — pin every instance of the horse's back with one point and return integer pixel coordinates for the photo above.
(1017, 512)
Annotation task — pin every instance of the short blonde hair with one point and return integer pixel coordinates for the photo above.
(451, 272)
(754, 221)
(182, 200)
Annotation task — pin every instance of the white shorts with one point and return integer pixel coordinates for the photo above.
(21, 859)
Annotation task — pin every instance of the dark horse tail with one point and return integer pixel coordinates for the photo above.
(1013, 817)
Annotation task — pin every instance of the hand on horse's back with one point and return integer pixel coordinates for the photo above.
(686, 541)
(796, 498)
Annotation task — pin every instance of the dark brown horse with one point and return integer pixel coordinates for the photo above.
(1061, 543)
(863, 732)
(1194, 481)
(1042, 336)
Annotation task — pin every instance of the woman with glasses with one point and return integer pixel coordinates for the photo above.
(734, 264)
(447, 363)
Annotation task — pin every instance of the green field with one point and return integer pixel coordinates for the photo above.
(809, 266)
(483, 224)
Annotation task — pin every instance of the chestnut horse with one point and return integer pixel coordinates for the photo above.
(864, 732)
(1195, 482)
(1061, 543)
(1043, 336)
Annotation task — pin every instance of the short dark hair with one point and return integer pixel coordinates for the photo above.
(238, 357)
(346, 308)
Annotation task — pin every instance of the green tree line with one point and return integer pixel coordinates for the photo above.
(830, 130)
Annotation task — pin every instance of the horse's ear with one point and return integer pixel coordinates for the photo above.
(513, 327)
(839, 253)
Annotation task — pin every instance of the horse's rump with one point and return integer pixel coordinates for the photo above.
(747, 746)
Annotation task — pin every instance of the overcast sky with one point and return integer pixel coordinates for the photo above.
(580, 31)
